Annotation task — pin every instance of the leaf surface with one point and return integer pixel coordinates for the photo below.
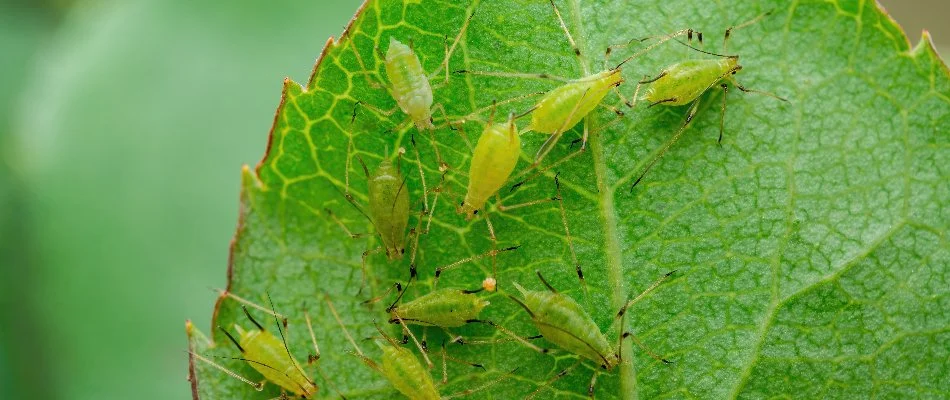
(810, 248)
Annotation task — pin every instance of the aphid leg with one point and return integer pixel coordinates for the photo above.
(642, 347)
(555, 378)
(494, 245)
(746, 90)
(252, 304)
(363, 70)
(519, 75)
(397, 286)
(755, 20)
(315, 356)
(722, 118)
(343, 226)
(567, 232)
(693, 108)
(443, 166)
(493, 252)
(425, 354)
(259, 386)
(359, 352)
(621, 315)
(446, 358)
(570, 39)
(367, 254)
(482, 387)
(449, 50)
(593, 381)
(385, 113)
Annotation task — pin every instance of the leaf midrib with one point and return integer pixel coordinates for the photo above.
(605, 193)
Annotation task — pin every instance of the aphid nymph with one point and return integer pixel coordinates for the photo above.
(565, 323)
(685, 82)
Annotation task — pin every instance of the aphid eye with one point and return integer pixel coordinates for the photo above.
(475, 212)
(402, 251)
(462, 204)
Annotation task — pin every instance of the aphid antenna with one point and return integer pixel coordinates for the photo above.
(259, 386)
(733, 56)
(661, 40)
(246, 302)
(283, 339)
(545, 282)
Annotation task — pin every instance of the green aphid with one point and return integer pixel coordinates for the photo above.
(388, 212)
(389, 207)
(269, 354)
(685, 82)
(563, 322)
(402, 369)
(444, 308)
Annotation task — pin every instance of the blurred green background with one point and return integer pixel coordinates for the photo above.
(123, 125)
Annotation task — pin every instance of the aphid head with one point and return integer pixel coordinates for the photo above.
(396, 49)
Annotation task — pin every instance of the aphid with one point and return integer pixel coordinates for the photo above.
(685, 82)
(269, 354)
(402, 368)
(409, 84)
(563, 322)
(493, 160)
(388, 212)
(563, 107)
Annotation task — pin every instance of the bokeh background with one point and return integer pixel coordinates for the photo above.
(123, 125)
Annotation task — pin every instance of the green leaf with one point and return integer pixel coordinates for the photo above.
(810, 248)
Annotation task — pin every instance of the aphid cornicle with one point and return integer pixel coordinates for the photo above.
(685, 82)
(562, 321)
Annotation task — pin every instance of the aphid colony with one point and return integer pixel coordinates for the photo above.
(559, 319)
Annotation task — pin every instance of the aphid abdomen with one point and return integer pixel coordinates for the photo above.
(495, 157)
(410, 86)
(572, 100)
(684, 82)
(404, 371)
(389, 207)
(266, 354)
(445, 308)
(563, 322)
